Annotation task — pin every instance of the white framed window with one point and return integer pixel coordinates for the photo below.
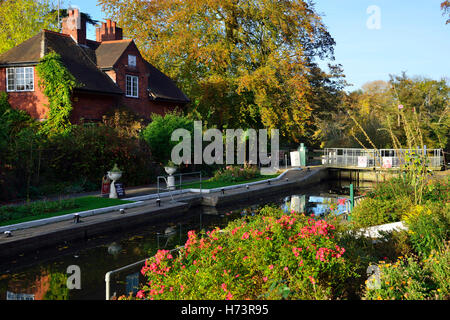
(131, 60)
(132, 86)
(20, 79)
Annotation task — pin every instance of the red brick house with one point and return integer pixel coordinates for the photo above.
(111, 73)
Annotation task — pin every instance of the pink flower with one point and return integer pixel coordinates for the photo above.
(140, 294)
(271, 267)
(286, 268)
(224, 287)
(265, 279)
(229, 296)
(246, 235)
(245, 258)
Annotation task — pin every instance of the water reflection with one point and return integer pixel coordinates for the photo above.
(315, 205)
(45, 285)
(42, 275)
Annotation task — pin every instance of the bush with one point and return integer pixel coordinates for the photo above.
(158, 134)
(410, 278)
(428, 226)
(235, 174)
(376, 211)
(267, 256)
(8, 213)
(82, 158)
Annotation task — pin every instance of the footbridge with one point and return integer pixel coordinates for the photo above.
(379, 159)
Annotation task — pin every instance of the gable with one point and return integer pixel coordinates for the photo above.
(74, 58)
(109, 52)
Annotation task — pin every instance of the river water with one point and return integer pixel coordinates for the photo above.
(44, 274)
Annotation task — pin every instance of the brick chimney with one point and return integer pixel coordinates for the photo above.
(75, 25)
(108, 31)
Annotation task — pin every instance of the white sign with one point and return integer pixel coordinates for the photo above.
(387, 162)
(362, 161)
(295, 159)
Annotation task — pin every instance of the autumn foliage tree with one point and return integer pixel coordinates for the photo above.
(243, 63)
(22, 19)
(445, 7)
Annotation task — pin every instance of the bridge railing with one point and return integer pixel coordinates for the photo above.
(381, 158)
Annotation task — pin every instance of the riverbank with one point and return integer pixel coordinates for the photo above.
(150, 210)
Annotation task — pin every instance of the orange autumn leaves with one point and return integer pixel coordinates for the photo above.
(231, 57)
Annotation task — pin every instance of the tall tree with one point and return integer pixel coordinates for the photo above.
(22, 19)
(242, 62)
(424, 107)
(445, 6)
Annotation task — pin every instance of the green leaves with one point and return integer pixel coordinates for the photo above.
(158, 133)
(57, 83)
(22, 19)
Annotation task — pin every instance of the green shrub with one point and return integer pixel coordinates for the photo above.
(428, 226)
(376, 211)
(267, 256)
(158, 134)
(410, 278)
(236, 174)
(437, 191)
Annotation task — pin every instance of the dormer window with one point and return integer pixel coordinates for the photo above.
(131, 60)
(20, 79)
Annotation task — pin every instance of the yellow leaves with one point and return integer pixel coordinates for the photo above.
(255, 51)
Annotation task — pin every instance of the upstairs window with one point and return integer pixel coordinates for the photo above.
(131, 60)
(132, 86)
(20, 79)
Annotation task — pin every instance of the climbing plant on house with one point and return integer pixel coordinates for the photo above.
(57, 83)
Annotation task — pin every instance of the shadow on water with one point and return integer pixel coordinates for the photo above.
(43, 274)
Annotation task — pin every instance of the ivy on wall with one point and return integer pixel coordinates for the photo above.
(57, 84)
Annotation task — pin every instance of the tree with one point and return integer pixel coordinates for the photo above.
(243, 63)
(159, 132)
(22, 19)
(445, 7)
(376, 108)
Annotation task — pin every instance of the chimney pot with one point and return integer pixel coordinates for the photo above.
(108, 31)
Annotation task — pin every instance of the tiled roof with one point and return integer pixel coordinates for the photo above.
(74, 57)
(162, 88)
(108, 52)
(85, 62)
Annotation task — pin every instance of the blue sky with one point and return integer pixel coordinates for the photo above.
(412, 37)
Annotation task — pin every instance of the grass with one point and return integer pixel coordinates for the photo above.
(218, 184)
(46, 209)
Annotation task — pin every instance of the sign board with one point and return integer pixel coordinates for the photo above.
(295, 159)
(387, 162)
(119, 189)
(362, 161)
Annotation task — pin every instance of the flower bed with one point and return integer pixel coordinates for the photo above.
(236, 174)
(267, 256)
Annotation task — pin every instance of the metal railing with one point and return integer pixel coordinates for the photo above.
(108, 275)
(179, 185)
(381, 158)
